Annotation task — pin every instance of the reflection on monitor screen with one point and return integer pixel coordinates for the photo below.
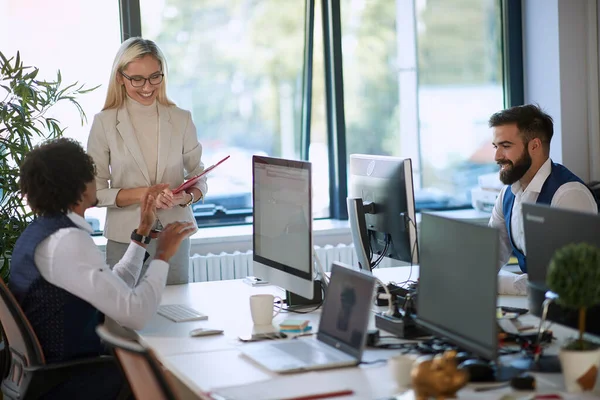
(282, 228)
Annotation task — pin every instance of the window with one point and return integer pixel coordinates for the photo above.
(421, 79)
(80, 38)
(237, 66)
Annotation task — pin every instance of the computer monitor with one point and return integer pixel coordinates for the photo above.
(282, 224)
(547, 229)
(458, 283)
(381, 209)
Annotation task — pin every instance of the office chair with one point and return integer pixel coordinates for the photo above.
(29, 375)
(143, 371)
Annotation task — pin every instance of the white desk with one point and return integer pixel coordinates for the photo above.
(207, 363)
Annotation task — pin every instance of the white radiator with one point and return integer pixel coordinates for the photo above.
(216, 267)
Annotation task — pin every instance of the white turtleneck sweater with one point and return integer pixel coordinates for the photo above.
(145, 124)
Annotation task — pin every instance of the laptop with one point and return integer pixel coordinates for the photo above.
(342, 333)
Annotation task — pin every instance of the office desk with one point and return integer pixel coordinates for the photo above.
(207, 363)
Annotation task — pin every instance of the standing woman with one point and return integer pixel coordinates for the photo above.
(141, 140)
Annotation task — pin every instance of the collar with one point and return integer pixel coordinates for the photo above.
(80, 222)
(138, 108)
(538, 180)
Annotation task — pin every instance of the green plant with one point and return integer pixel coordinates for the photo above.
(24, 103)
(574, 274)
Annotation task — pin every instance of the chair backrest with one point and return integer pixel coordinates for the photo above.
(23, 343)
(144, 373)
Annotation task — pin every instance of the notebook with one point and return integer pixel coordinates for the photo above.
(342, 333)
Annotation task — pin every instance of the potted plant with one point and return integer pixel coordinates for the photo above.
(574, 275)
(24, 122)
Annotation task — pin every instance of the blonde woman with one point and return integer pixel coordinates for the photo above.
(141, 139)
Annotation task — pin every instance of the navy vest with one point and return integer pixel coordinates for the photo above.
(64, 323)
(559, 175)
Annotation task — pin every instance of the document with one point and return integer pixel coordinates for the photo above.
(190, 182)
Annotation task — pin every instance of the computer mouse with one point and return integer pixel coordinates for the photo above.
(462, 356)
(479, 370)
(205, 332)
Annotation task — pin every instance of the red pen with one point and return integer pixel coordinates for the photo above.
(327, 395)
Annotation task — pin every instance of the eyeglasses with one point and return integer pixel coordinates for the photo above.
(139, 81)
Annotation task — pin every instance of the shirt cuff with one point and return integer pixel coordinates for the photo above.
(512, 284)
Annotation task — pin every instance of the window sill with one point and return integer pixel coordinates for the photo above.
(325, 231)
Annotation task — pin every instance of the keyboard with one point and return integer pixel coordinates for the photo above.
(180, 313)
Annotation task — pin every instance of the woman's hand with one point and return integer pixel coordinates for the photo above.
(167, 199)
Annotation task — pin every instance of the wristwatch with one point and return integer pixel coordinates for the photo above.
(189, 202)
(139, 238)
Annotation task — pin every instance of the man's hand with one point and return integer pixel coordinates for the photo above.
(147, 214)
(171, 237)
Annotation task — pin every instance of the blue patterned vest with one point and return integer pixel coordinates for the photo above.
(64, 323)
(559, 175)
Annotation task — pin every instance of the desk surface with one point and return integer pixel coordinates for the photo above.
(208, 363)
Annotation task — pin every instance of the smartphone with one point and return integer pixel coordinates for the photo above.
(254, 281)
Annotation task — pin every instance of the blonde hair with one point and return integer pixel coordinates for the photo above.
(132, 49)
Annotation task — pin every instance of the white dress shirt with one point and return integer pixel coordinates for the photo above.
(70, 260)
(571, 195)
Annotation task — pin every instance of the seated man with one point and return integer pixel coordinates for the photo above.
(522, 138)
(59, 276)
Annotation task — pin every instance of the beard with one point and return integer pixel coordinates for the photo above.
(516, 170)
(95, 202)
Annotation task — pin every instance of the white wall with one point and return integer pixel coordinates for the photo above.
(560, 45)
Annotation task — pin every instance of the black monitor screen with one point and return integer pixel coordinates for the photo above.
(458, 283)
(547, 229)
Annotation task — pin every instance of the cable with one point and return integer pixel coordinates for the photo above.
(412, 255)
(290, 310)
(321, 270)
(388, 295)
(388, 240)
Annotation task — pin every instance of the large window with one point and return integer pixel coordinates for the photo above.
(421, 80)
(237, 66)
(78, 37)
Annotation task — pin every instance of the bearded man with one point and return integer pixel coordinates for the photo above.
(521, 137)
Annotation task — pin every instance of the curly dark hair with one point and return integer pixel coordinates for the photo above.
(531, 121)
(54, 176)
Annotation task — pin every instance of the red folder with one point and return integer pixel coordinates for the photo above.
(190, 182)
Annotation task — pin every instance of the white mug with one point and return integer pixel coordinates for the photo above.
(262, 308)
(401, 367)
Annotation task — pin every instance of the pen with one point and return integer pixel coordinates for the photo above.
(327, 395)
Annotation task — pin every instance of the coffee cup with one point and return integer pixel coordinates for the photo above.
(263, 308)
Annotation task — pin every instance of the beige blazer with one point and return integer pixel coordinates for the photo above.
(120, 164)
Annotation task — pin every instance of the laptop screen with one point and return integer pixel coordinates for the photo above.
(347, 308)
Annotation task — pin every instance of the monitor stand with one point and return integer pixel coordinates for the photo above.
(295, 301)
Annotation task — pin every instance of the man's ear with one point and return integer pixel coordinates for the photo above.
(535, 144)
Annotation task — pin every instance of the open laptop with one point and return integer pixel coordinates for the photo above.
(342, 331)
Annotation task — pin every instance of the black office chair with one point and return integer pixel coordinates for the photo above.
(29, 376)
(147, 378)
